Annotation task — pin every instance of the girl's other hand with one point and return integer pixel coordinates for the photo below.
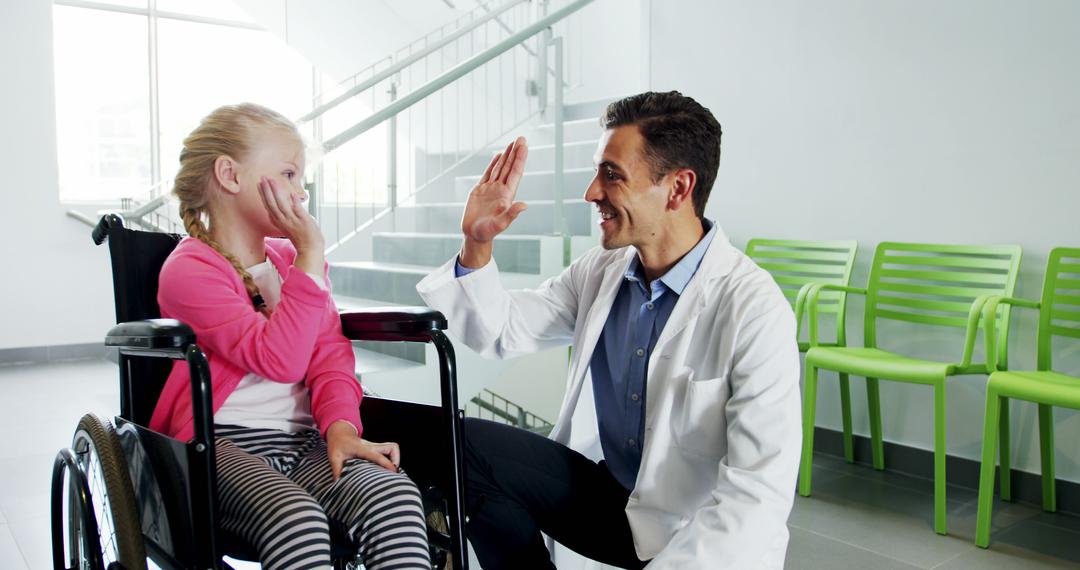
(343, 444)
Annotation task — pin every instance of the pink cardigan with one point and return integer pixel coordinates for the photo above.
(302, 341)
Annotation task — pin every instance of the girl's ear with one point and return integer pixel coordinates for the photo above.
(226, 174)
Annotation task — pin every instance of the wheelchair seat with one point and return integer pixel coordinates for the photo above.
(174, 482)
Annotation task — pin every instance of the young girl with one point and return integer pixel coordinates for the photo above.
(290, 461)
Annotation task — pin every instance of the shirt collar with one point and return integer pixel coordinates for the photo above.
(677, 278)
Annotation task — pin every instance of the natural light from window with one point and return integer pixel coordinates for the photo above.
(104, 87)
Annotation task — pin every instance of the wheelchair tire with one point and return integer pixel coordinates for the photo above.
(98, 453)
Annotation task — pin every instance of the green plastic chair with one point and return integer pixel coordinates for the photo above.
(1059, 315)
(921, 284)
(796, 265)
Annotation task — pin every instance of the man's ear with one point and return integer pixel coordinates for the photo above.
(681, 192)
(226, 174)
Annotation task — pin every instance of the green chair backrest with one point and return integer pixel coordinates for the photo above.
(1060, 311)
(930, 284)
(794, 263)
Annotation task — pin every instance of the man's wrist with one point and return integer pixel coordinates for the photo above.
(475, 254)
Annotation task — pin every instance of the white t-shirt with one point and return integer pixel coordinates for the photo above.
(260, 403)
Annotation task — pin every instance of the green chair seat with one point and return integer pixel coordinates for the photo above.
(1044, 387)
(877, 363)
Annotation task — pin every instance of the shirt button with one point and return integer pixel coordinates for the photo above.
(649, 306)
(640, 352)
(635, 397)
(631, 442)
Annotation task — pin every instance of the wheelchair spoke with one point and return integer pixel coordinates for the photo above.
(100, 496)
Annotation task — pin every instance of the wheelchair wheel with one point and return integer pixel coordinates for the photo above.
(97, 451)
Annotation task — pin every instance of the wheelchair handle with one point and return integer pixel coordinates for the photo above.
(101, 230)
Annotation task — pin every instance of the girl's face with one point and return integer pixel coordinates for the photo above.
(276, 154)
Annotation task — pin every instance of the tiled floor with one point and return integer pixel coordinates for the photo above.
(857, 518)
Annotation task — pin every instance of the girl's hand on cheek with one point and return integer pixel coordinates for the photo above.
(287, 212)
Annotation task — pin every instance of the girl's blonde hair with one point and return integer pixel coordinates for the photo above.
(227, 131)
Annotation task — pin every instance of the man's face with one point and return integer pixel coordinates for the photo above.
(632, 208)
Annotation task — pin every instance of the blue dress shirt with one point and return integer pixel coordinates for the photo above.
(619, 364)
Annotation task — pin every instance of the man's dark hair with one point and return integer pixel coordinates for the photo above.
(678, 133)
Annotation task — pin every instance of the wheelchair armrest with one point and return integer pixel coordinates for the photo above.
(391, 323)
(153, 337)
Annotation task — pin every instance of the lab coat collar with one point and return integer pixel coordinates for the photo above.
(716, 263)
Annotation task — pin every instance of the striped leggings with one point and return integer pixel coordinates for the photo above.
(276, 490)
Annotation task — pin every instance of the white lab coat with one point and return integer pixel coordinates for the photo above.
(722, 418)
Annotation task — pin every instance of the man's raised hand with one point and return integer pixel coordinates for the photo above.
(491, 207)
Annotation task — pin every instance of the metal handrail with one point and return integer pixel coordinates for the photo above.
(451, 75)
(523, 417)
(399, 66)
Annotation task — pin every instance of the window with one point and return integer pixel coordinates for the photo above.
(109, 75)
(102, 103)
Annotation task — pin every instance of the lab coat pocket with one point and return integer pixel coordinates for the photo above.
(699, 425)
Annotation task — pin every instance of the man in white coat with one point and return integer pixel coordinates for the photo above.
(687, 347)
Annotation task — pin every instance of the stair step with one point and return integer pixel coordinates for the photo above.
(390, 283)
(590, 110)
(536, 185)
(517, 254)
(538, 219)
(375, 362)
(586, 129)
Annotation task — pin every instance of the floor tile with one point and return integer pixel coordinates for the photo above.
(1006, 557)
(1036, 537)
(10, 557)
(811, 551)
(953, 493)
(33, 535)
(891, 521)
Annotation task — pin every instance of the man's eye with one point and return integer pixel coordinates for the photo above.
(611, 175)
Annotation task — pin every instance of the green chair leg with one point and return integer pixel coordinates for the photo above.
(986, 469)
(845, 413)
(1046, 445)
(939, 457)
(809, 407)
(1004, 435)
(877, 446)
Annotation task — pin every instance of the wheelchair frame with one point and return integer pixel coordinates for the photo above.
(193, 462)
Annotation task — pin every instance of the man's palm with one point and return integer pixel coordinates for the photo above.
(491, 207)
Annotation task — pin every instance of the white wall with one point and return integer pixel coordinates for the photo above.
(607, 44)
(948, 122)
(56, 288)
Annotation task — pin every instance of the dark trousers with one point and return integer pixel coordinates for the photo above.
(520, 484)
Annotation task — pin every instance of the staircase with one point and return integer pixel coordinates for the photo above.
(491, 406)
(426, 232)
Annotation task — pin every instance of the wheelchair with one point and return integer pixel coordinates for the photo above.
(122, 495)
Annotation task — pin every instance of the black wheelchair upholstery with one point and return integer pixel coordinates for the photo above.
(174, 481)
